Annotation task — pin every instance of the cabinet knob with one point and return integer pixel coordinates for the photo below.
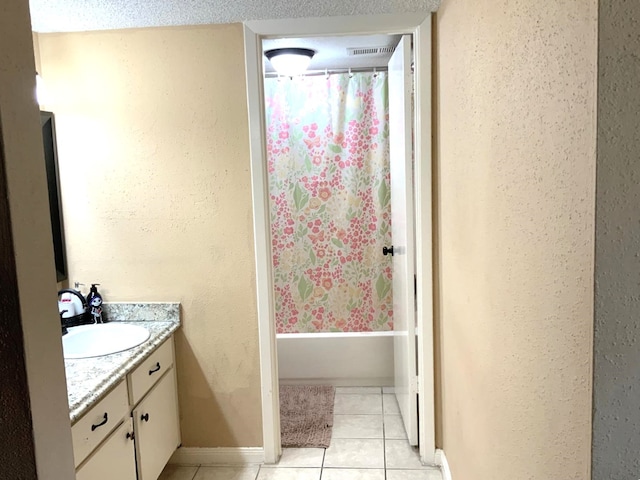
(145, 417)
(131, 435)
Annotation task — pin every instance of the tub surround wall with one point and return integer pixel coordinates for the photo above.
(515, 169)
(156, 191)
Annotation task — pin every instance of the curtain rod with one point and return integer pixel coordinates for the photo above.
(311, 73)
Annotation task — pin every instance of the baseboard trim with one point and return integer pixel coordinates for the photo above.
(217, 456)
(441, 461)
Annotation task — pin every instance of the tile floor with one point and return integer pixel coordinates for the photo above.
(368, 443)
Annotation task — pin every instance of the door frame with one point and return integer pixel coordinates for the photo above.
(418, 25)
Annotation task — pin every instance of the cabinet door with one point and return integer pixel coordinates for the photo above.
(114, 459)
(157, 428)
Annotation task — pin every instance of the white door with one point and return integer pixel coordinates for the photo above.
(404, 316)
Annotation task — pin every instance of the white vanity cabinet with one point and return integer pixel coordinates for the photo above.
(131, 433)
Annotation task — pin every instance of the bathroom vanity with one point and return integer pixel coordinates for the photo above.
(124, 408)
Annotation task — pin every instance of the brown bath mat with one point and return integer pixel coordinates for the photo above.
(306, 415)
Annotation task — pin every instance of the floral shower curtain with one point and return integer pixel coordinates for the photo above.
(329, 189)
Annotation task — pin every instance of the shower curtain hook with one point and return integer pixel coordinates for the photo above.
(350, 74)
(375, 73)
(326, 72)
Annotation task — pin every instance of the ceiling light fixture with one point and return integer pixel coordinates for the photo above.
(290, 61)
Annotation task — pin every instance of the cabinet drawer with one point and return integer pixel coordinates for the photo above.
(150, 371)
(98, 422)
(114, 459)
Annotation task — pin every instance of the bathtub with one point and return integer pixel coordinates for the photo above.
(340, 359)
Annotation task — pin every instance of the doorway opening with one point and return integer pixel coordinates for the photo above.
(255, 34)
(328, 159)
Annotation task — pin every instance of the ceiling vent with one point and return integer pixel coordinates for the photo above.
(370, 50)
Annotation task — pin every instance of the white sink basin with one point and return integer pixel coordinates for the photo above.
(95, 340)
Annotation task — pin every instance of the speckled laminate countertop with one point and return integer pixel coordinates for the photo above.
(89, 379)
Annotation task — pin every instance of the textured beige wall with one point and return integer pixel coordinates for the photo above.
(616, 379)
(153, 146)
(31, 230)
(516, 177)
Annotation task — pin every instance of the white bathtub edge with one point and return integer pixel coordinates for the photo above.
(340, 359)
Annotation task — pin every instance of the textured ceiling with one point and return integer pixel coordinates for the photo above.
(79, 15)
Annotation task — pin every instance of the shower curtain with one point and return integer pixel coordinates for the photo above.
(329, 190)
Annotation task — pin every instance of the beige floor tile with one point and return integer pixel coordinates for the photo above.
(281, 473)
(355, 453)
(357, 404)
(175, 472)
(390, 404)
(227, 473)
(369, 390)
(352, 474)
(400, 455)
(357, 426)
(301, 458)
(394, 428)
(426, 474)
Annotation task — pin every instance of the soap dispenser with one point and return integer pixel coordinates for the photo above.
(94, 303)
